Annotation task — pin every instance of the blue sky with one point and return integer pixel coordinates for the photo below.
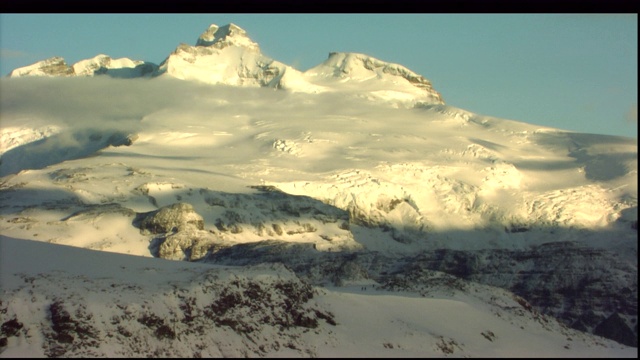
(574, 72)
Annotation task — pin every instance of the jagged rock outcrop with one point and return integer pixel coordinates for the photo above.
(181, 232)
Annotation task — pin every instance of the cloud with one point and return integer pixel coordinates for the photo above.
(12, 54)
(107, 102)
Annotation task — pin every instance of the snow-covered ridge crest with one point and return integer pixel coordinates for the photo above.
(98, 65)
(361, 68)
(230, 34)
(104, 64)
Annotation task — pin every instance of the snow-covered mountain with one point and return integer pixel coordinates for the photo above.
(352, 174)
(226, 55)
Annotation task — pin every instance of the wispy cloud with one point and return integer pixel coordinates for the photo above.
(12, 54)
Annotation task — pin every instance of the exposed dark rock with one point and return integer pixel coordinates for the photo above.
(557, 279)
(11, 328)
(615, 328)
(168, 219)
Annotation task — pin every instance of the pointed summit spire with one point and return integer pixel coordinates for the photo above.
(223, 36)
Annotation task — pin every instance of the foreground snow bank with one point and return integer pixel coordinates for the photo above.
(64, 301)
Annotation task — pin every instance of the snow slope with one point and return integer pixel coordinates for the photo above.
(65, 302)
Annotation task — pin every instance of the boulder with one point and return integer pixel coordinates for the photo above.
(170, 219)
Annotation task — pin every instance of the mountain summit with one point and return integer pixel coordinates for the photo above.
(224, 55)
(224, 36)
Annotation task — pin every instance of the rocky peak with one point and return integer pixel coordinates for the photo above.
(223, 36)
(54, 66)
(355, 66)
(88, 67)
